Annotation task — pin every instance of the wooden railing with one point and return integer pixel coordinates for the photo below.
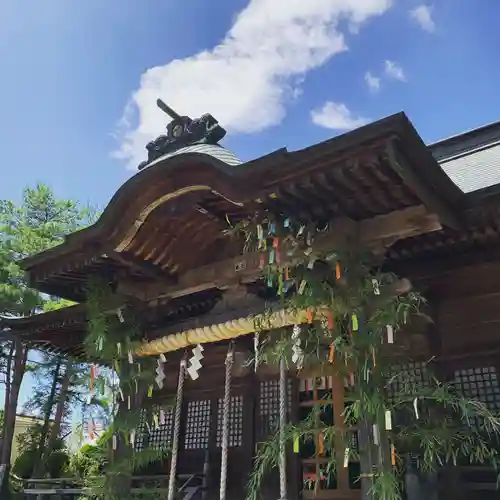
(45, 489)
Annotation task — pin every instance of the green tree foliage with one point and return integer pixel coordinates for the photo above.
(39, 222)
(28, 442)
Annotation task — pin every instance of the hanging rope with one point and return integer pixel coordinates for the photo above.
(225, 422)
(282, 449)
(177, 427)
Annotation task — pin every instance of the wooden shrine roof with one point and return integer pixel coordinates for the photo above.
(160, 241)
(63, 331)
(169, 218)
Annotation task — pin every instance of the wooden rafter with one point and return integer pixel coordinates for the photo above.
(378, 232)
(143, 267)
(424, 191)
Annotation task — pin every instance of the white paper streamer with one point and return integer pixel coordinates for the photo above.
(390, 334)
(376, 435)
(346, 457)
(388, 420)
(256, 350)
(415, 407)
(130, 358)
(119, 313)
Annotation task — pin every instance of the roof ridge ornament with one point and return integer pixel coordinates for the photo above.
(183, 131)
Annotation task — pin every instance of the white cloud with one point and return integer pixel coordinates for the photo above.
(394, 70)
(372, 81)
(246, 80)
(422, 15)
(336, 116)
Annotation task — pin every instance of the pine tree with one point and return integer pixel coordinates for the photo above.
(38, 223)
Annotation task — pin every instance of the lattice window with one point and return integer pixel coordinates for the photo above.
(197, 425)
(407, 377)
(480, 384)
(141, 437)
(235, 421)
(269, 404)
(160, 437)
(148, 435)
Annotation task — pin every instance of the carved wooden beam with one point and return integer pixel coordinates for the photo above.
(146, 268)
(411, 178)
(380, 231)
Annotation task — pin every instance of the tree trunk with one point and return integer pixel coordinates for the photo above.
(8, 380)
(55, 429)
(39, 466)
(19, 358)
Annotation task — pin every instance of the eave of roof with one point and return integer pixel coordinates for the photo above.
(245, 182)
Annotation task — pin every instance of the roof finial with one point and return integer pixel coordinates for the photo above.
(182, 131)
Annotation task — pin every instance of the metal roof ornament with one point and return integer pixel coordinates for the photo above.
(183, 131)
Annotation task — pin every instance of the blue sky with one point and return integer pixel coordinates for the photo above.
(77, 84)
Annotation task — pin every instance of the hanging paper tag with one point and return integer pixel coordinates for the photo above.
(302, 286)
(390, 334)
(310, 265)
(393, 456)
(296, 443)
(117, 366)
(269, 281)
(162, 417)
(376, 438)
(355, 324)
(100, 343)
(321, 444)
(415, 407)
(130, 358)
(286, 222)
(337, 270)
(150, 391)
(301, 230)
(119, 349)
(272, 228)
(310, 315)
(119, 313)
(121, 394)
(272, 254)
(260, 233)
(256, 350)
(376, 288)
(156, 421)
(132, 438)
(287, 274)
(346, 457)
(331, 357)
(388, 420)
(129, 402)
(114, 442)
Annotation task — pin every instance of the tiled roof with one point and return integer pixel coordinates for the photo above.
(472, 159)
